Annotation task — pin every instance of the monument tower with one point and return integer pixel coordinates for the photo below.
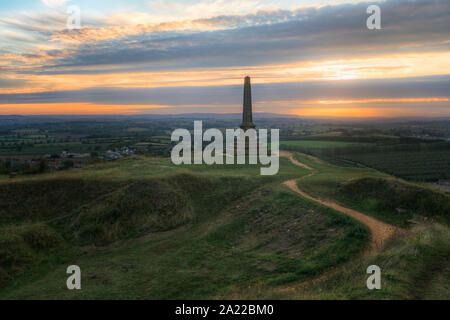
(247, 117)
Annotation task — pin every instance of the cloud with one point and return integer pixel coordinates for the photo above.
(10, 83)
(131, 24)
(259, 38)
(173, 10)
(264, 37)
(54, 3)
(408, 88)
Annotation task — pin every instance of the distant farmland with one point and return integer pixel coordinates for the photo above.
(425, 165)
(318, 144)
(413, 161)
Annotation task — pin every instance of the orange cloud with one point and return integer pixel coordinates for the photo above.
(91, 34)
(338, 112)
(32, 60)
(387, 100)
(367, 112)
(363, 108)
(73, 109)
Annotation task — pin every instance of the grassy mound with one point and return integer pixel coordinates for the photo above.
(25, 246)
(150, 205)
(36, 200)
(396, 202)
(40, 217)
(145, 206)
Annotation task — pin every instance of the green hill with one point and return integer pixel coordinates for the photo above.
(142, 228)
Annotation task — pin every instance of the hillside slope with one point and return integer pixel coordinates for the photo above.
(142, 228)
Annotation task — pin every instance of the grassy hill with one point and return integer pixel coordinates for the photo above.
(143, 228)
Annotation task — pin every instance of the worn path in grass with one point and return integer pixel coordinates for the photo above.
(380, 231)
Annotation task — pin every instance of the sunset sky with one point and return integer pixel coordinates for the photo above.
(305, 57)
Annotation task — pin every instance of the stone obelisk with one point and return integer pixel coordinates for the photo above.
(247, 117)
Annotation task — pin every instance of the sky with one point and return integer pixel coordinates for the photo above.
(305, 57)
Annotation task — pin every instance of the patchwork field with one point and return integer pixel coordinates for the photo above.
(425, 162)
(423, 165)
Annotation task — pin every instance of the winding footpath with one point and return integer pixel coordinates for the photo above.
(380, 231)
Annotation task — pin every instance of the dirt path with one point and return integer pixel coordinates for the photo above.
(380, 231)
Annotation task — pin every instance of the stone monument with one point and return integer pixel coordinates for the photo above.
(247, 117)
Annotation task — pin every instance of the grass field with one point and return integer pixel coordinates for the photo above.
(143, 228)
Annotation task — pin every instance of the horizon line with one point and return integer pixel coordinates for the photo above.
(222, 114)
